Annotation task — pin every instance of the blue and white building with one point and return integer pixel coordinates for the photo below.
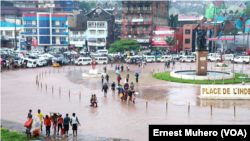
(51, 30)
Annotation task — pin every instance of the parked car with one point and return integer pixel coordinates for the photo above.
(228, 57)
(188, 58)
(150, 59)
(176, 57)
(241, 59)
(83, 61)
(214, 58)
(164, 58)
(31, 63)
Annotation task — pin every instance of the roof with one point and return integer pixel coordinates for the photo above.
(217, 4)
(235, 8)
(242, 5)
(174, 10)
(96, 8)
(182, 17)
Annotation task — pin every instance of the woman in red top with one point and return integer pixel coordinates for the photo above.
(118, 79)
(59, 121)
(47, 123)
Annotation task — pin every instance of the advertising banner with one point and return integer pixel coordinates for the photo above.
(35, 42)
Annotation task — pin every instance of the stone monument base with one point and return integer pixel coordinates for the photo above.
(93, 74)
(93, 71)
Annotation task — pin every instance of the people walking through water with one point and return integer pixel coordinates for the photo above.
(133, 97)
(60, 122)
(130, 95)
(136, 75)
(107, 78)
(113, 87)
(91, 100)
(40, 115)
(54, 117)
(47, 123)
(132, 86)
(105, 89)
(173, 62)
(127, 77)
(119, 79)
(74, 123)
(94, 101)
(105, 69)
(115, 67)
(102, 78)
(66, 122)
(122, 67)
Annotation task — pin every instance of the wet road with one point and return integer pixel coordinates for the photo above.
(114, 118)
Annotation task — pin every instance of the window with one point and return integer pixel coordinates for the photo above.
(62, 38)
(187, 41)
(134, 17)
(61, 30)
(28, 22)
(101, 32)
(187, 31)
(75, 39)
(81, 32)
(75, 33)
(146, 35)
(92, 32)
(157, 39)
(8, 33)
(28, 30)
(81, 39)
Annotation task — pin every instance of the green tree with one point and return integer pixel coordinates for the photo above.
(124, 44)
(170, 40)
(86, 6)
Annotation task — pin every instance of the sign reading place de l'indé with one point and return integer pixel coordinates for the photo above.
(225, 92)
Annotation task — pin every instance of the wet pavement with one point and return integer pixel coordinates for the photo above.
(113, 118)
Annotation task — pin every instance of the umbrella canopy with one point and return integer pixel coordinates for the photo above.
(1, 59)
(137, 72)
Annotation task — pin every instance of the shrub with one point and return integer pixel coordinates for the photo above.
(224, 65)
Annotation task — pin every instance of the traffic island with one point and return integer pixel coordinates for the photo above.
(167, 77)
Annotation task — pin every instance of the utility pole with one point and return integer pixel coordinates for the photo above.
(15, 30)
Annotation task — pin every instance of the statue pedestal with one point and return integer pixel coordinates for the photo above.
(93, 71)
(201, 62)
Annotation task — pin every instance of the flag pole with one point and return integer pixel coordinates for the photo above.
(243, 31)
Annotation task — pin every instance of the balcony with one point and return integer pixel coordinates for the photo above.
(138, 10)
(65, 26)
(59, 33)
(147, 21)
(147, 30)
(30, 25)
(141, 39)
(30, 33)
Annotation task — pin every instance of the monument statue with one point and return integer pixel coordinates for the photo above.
(201, 52)
(201, 40)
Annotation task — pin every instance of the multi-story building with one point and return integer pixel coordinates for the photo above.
(159, 35)
(99, 26)
(8, 32)
(51, 30)
(77, 40)
(117, 11)
(140, 17)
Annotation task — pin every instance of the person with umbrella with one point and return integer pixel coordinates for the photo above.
(137, 75)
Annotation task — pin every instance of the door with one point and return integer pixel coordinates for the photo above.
(80, 61)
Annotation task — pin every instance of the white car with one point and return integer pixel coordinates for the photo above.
(188, 59)
(40, 63)
(214, 58)
(241, 59)
(31, 63)
(150, 59)
(83, 61)
(164, 58)
(228, 57)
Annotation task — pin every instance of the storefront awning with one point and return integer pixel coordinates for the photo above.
(79, 45)
(92, 39)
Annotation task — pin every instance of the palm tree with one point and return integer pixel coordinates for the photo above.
(170, 40)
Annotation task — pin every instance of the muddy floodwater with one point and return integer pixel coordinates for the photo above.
(113, 118)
